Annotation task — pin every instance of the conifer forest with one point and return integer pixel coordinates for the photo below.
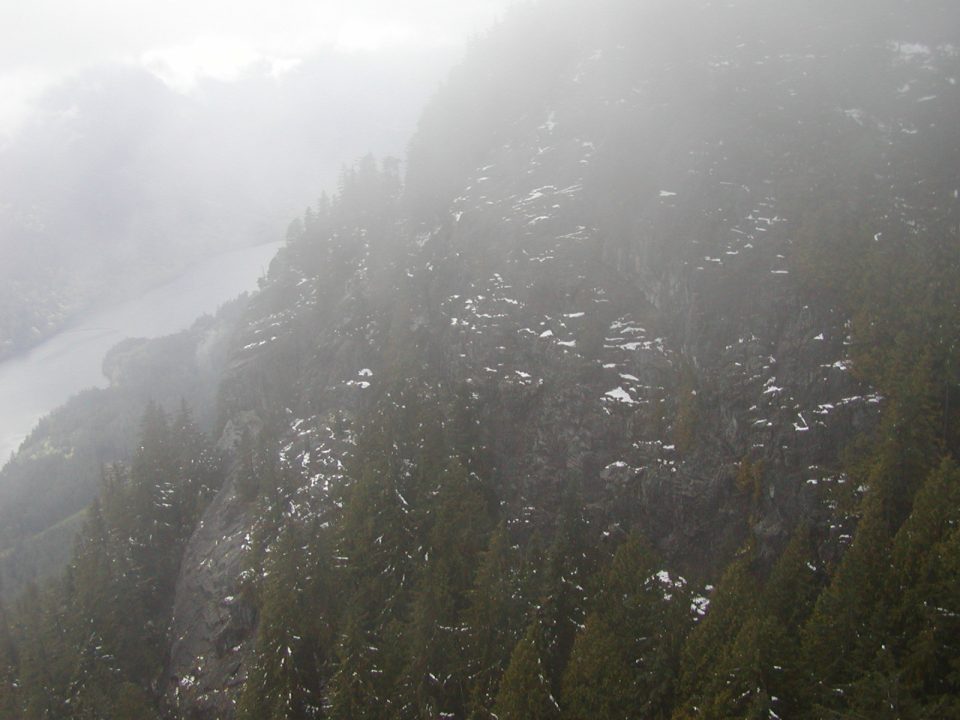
(629, 391)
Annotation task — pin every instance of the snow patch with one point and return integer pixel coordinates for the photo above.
(620, 395)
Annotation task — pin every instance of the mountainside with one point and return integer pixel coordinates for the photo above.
(636, 397)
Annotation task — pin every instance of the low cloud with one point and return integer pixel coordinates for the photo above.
(182, 41)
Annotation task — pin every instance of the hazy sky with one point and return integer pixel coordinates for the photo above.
(43, 41)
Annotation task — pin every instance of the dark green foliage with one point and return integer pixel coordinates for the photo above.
(600, 681)
(295, 642)
(494, 621)
(409, 600)
(898, 656)
(9, 695)
(525, 692)
(921, 609)
(360, 687)
(94, 644)
(905, 343)
(733, 601)
(436, 673)
(331, 237)
(869, 644)
(452, 568)
(626, 661)
(561, 587)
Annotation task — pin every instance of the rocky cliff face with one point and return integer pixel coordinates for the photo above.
(607, 282)
(212, 628)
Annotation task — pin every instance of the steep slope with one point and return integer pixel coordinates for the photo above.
(667, 297)
(606, 272)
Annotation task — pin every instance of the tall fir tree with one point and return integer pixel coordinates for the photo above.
(494, 620)
(626, 660)
(436, 674)
(733, 601)
(9, 663)
(295, 639)
(525, 690)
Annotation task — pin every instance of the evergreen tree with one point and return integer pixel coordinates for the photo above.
(435, 678)
(625, 662)
(563, 604)
(525, 692)
(734, 600)
(376, 540)
(921, 609)
(95, 641)
(41, 656)
(432, 679)
(936, 646)
(198, 472)
(360, 689)
(755, 668)
(9, 663)
(494, 620)
(845, 633)
(295, 634)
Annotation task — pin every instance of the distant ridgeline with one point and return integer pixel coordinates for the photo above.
(637, 397)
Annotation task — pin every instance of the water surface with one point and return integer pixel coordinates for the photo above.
(33, 384)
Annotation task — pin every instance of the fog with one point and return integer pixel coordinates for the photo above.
(44, 378)
(144, 143)
(563, 338)
(136, 139)
(184, 41)
(145, 148)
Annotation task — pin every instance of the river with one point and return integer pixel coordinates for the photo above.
(33, 384)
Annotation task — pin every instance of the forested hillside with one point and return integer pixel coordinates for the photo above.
(635, 396)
